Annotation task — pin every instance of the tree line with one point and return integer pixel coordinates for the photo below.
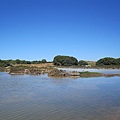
(71, 61)
(61, 60)
(5, 63)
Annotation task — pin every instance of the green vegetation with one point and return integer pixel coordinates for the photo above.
(90, 74)
(108, 61)
(82, 63)
(5, 63)
(43, 61)
(65, 61)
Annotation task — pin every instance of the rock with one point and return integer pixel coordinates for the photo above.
(16, 71)
(111, 75)
(58, 73)
(62, 73)
(74, 73)
(54, 72)
(26, 71)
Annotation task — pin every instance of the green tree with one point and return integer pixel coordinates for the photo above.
(17, 61)
(82, 62)
(107, 61)
(118, 61)
(65, 60)
(4, 63)
(44, 61)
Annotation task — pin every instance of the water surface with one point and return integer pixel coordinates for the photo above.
(105, 71)
(25, 97)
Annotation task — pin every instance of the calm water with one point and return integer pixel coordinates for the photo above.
(25, 97)
(105, 71)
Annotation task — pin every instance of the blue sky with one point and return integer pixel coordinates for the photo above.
(37, 29)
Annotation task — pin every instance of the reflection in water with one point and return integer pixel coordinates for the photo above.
(42, 98)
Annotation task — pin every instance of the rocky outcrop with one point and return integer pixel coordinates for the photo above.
(16, 71)
(111, 75)
(62, 73)
(58, 73)
(54, 72)
(74, 73)
(31, 71)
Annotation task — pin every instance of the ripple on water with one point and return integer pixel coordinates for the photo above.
(43, 98)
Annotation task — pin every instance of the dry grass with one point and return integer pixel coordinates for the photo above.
(37, 65)
(92, 63)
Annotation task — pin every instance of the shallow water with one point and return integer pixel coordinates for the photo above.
(105, 71)
(25, 97)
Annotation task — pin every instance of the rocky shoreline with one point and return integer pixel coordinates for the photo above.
(54, 72)
(30, 71)
(63, 73)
